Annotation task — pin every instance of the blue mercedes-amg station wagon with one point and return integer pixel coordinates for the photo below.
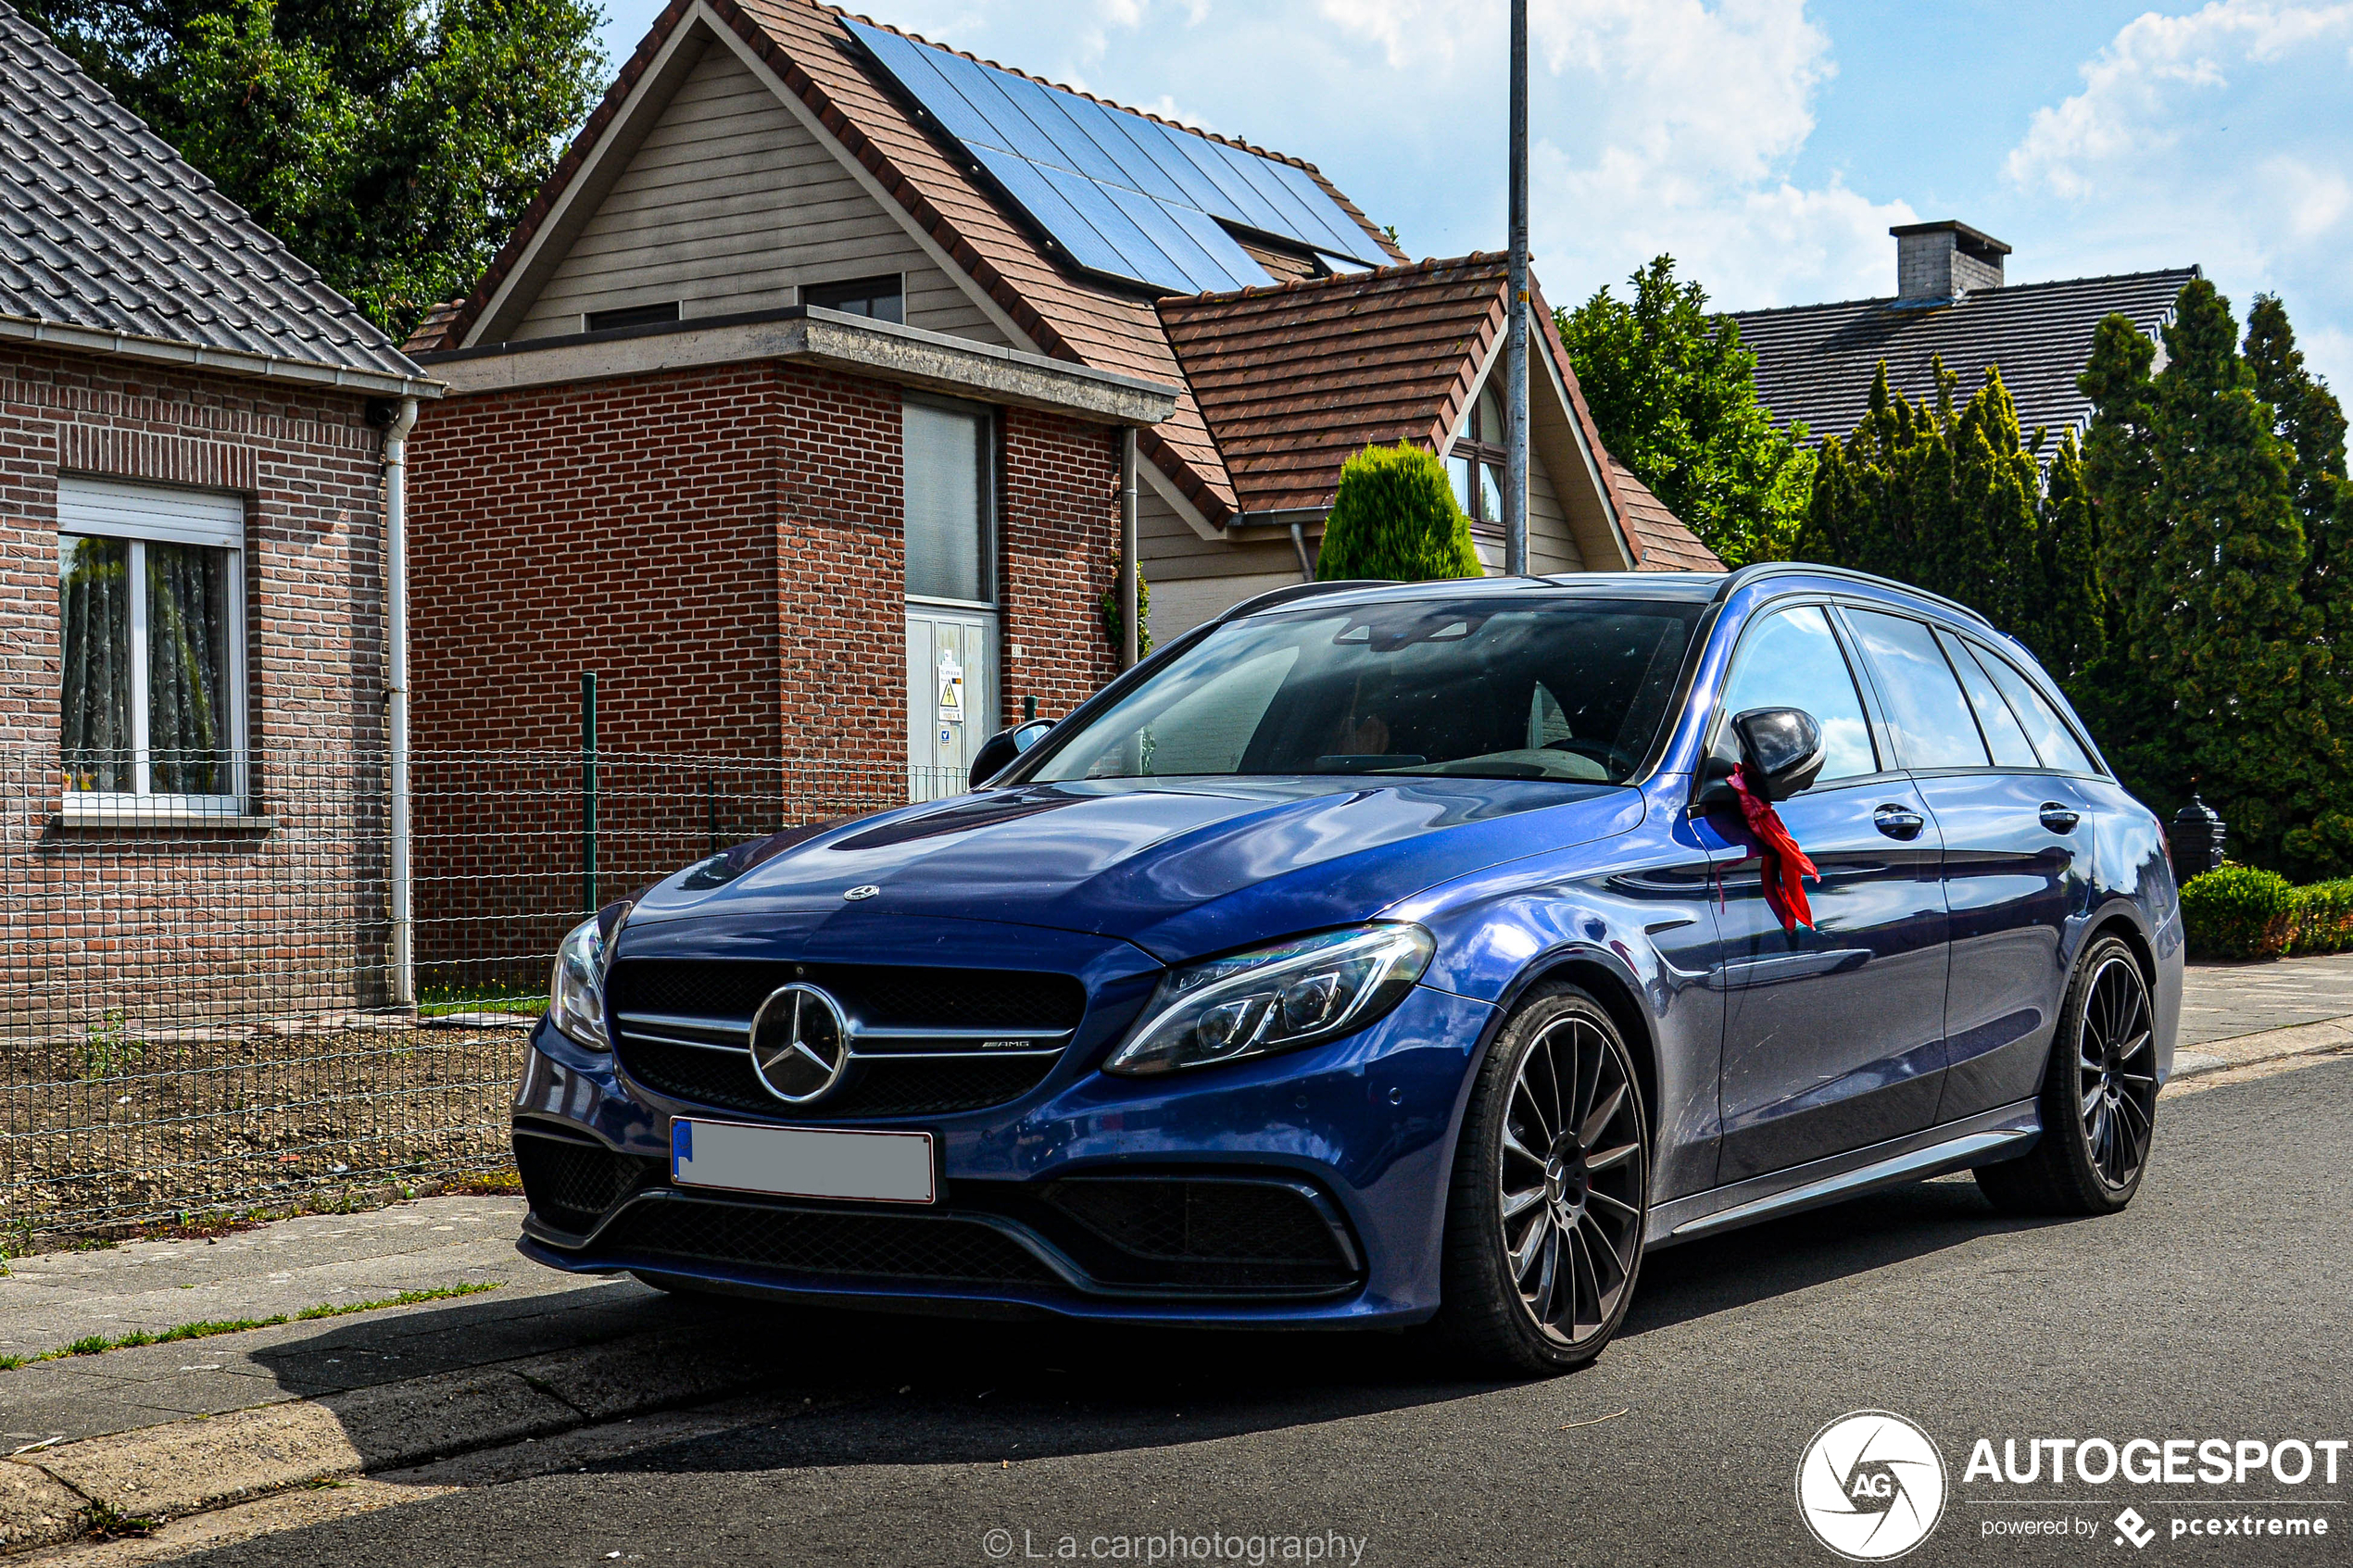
(1381, 955)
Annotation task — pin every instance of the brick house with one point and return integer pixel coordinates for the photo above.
(192, 435)
(795, 405)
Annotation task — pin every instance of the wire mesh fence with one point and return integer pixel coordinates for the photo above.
(198, 1004)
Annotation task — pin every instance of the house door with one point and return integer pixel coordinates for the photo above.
(952, 590)
(951, 697)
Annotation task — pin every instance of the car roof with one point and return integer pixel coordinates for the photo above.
(1688, 587)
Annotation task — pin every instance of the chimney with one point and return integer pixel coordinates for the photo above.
(1937, 263)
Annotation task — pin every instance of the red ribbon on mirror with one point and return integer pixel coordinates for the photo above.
(1782, 865)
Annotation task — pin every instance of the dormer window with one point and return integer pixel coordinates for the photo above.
(1475, 460)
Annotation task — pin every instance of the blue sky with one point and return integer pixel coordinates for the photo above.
(1766, 143)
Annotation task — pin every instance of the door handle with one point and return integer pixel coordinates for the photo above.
(2058, 817)
(1898, 822)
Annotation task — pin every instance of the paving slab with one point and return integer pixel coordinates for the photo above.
(2220, 1001)
(53, 1299)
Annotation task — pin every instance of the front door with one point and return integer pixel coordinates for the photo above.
(949, 456)
(1834, 1037)
(952, 699)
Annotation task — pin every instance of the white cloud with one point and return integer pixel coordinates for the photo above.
(2221, 137)
(1682, 119)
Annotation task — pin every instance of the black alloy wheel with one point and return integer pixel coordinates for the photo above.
(2099, 1096)
(1551, 1191)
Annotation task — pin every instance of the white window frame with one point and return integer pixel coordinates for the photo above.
(138, 514)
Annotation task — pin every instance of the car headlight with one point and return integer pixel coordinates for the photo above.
(576, 990)
(1278, 998)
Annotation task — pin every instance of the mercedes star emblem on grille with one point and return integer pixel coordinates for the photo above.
(866, 890)
(800, 1043)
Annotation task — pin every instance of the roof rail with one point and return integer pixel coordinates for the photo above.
(1753, 573)
(1301, 591)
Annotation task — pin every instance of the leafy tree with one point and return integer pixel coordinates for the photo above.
(1395, 517)
(391, 143)
(1674, 395)
(2222, 676)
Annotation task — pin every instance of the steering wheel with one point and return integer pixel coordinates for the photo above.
(1615, 760)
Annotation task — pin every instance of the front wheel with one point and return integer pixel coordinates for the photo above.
(2099, 1098)
(1550, 1193)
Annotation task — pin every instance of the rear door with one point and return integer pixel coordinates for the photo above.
(2011, 867)
(1834, 1037)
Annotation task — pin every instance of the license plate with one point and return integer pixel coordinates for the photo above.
(802, 1161)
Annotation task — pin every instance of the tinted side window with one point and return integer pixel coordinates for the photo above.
(2049, 733)
(1790, 659)
(1993, 715)
(1924, 702)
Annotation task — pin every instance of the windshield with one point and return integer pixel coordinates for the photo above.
(1564, 687)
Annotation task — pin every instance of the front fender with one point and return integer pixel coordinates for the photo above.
(1640, 921)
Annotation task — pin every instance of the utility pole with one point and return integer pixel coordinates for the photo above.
(1516, 341)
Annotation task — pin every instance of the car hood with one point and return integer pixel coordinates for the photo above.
(1180, 868)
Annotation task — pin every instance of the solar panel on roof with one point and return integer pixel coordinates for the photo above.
(1119, 193)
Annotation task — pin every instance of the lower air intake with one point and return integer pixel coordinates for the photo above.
(573, 1184)
(800, 1241)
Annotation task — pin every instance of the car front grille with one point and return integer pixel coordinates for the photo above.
(912, 1085)
(924, 1042)
(803, 1241)
(876, 994)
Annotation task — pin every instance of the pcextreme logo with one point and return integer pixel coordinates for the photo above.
(1871, 1486)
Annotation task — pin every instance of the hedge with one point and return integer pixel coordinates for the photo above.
(2240, 912)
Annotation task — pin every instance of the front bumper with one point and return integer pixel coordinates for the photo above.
(1320, 1176)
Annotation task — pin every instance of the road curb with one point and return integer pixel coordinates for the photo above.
(2266, 1046)
(51, 1495)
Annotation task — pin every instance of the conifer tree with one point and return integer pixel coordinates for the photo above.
(1395, 517)
(2222, 678)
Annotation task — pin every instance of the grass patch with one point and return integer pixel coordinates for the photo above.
(439, 1001)
(102, 1521)
(98, 1344)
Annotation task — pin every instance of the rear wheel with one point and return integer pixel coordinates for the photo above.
(2099, 1098)
(1551, 1189)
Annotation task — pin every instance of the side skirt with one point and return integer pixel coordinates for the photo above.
(2004, 1132)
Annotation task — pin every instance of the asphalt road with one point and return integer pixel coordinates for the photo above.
(2216, 1307)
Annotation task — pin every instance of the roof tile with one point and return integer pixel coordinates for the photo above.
(109, 229)
(1815, 363)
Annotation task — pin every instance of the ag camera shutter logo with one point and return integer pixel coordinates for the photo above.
(1871, 1486)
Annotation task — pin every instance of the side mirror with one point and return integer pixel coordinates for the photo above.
(1782, 748)
(998, 751)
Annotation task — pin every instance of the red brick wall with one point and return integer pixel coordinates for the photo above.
(724, 547)
(166, 923)
(1060, 554)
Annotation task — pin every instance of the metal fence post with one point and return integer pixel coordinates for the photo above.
(588, 790)
(710, 791)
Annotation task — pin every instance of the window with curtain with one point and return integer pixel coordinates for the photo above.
(949, 501)
(150, 704)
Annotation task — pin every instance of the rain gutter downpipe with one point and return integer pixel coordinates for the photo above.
(1130, 633)
(396, 462)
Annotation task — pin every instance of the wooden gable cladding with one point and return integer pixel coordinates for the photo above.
(731, 203)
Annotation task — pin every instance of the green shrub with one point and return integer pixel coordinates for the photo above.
(2323, 922)
(1112, 621)
(2237, 912)
(1395, 517)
